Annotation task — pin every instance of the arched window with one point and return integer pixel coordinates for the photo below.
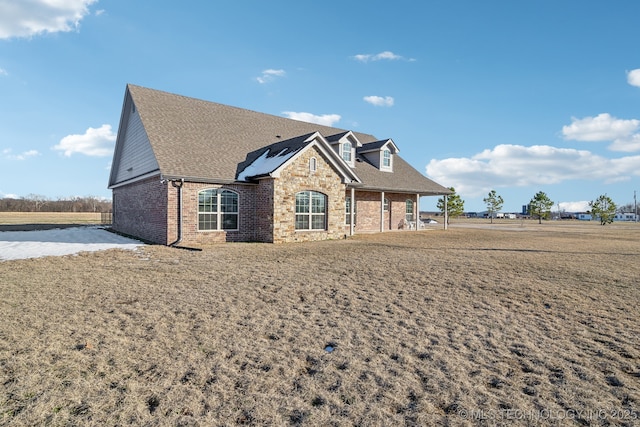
(313, 165)
(217, 210)
(311, 208)
(409, 210)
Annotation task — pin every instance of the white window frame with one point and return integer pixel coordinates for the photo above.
(220, 213)
(386, 157)
(347, 211)
(409, 214)
(309, 213)
(347, 155)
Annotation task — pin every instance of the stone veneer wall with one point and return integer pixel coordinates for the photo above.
(140, 210)
(297, 177)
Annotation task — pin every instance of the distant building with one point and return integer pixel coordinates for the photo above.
(625, 216)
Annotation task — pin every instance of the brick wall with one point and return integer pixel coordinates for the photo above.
(264, 210)
(140, 210)
(398, 208)
(191, 234)
(368, 210)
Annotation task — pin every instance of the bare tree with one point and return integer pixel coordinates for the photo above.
(37, 200)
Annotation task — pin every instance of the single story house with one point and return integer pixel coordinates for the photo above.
(625, 216)
(188, 171)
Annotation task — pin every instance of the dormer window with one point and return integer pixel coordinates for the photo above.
(386, 158)
(345, 144)
(380, 154)
(346, 152)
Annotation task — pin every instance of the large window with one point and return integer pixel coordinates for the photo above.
(311, 209)
(217, 210)
(409, 210)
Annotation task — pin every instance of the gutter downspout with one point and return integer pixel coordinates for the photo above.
(382, 212)
(352, 213)
(179, 187)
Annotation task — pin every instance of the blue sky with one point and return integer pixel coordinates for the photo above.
(516, 96)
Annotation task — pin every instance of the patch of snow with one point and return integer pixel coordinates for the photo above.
(57, 242)
(265, 164)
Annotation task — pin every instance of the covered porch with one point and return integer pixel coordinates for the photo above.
(382, 211)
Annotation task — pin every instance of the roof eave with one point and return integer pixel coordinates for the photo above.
(422, 192)
(205, 180)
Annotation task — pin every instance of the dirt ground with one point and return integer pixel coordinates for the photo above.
(511, 324)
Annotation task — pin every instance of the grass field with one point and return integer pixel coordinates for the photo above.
(10, 218)
(511, 324)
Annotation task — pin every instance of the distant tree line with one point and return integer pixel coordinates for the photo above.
(39, 203)
(539, 207)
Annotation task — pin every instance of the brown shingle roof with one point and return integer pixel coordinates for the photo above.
(202, 140)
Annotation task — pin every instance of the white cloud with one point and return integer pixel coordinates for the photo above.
(3, 72)
(379, 101)
(94, 142)
(633, 77)
(325, 119)
(27, 154)
(8, 196)
(270, 75)
(628, 144)
(22, 156)
(26, 18)
(605, 127)
(581, 206)
(516, 165)
(386, 55)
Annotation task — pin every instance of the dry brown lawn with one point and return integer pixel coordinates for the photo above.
(510, 325)
(31, 218)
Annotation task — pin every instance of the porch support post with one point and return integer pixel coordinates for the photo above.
(382, 212)
(417, 212)
(352, 212)
(446, 214)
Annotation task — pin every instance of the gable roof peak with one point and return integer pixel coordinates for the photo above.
(267, 161)
(346, 136)
(379, 145)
